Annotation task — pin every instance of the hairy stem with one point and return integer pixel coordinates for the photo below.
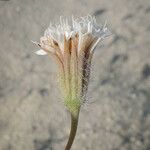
(74, 125)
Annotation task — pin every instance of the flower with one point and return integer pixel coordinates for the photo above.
(72, 45)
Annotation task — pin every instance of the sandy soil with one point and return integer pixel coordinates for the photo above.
(117, 113)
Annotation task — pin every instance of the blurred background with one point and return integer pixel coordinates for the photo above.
(117, 113)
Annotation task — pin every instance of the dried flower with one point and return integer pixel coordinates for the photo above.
(72, 45)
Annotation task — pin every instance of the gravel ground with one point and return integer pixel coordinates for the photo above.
(117, 113)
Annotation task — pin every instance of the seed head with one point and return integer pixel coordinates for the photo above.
(72, 43)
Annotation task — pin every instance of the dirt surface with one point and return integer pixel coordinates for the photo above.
(117, 113)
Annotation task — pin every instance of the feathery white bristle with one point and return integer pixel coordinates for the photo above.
(71, 27)
(82, 25)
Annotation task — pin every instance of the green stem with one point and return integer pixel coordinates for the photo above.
(74, 125)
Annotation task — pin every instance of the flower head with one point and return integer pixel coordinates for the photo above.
(72, 45)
